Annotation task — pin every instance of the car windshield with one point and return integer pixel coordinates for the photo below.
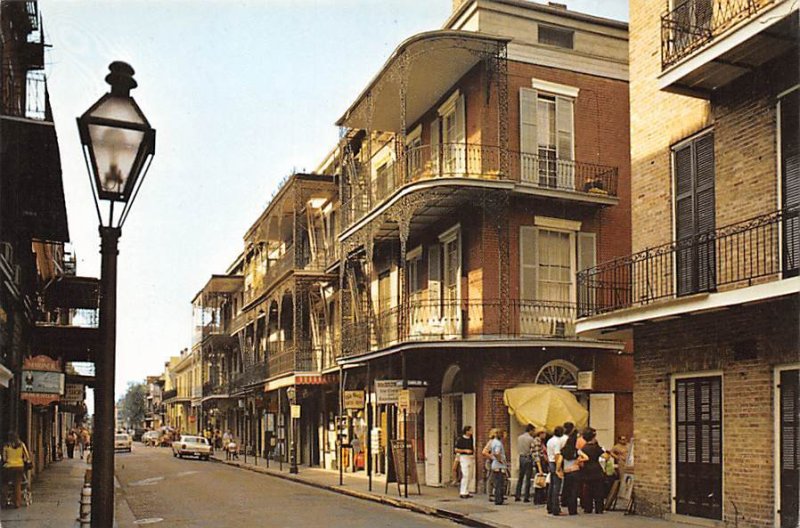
(194, 439)
(122, 437)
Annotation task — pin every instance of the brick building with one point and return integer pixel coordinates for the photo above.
(709, 295)
(483, 166)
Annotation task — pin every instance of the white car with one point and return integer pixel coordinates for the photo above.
(191, 446)
(122, 442)
(150, 438)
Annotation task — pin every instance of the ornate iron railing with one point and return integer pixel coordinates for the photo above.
(693, 24)
(169, 394)
(251, 375)
(470, 160)
(263, 277)
(216, 388)
(733, 256)
(422, 321)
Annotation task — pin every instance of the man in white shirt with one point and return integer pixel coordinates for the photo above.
(554, 446)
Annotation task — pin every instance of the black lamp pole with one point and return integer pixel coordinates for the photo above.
(291, 392)
(118, 145)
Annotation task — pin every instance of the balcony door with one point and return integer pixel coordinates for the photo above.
(451, 124)
(790, 181)
(547, 137)
(696, 262)
(451, 275)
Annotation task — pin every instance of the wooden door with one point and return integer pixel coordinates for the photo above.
(698, 446)
(789, 462)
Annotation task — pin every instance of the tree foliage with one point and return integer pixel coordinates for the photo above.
(134, 405)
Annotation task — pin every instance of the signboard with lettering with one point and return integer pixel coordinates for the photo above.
(403, 399)
(42, 380)
(405, 466)
(73, 393)
(354, 399)
(295, 411)
(386, 391)
(586, 380)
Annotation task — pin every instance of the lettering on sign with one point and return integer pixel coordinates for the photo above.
(354, 399)
(295, 411)
(586, 380)
(404, 399)
(386, 391)
(73, 393)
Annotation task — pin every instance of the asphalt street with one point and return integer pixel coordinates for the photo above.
(161, 490)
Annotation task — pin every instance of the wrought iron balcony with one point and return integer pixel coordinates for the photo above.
(483, 162)
(426, 321)
(216, 388)
(737, 255)
(262, 277)
(251, 375)
(693, 24)
(173, 393)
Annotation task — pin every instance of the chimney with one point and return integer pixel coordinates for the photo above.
(554, 5)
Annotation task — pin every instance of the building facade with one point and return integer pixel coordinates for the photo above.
(709, 295)
(48, 315)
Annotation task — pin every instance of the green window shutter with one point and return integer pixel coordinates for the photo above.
(528, 263)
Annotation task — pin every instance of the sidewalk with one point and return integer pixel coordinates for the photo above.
(444, 502)
(56, 496)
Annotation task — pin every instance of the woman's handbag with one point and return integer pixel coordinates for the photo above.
(540, 481)
(28, 465)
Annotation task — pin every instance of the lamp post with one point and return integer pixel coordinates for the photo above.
(291, 394)
(118, 146)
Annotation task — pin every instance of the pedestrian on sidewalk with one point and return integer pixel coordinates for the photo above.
(525, 449)
(465, 449)
(569, 464)
(554, 489)
(16, 460)
(71, 440)
(592, 473)
(497, 454)
(540, 467)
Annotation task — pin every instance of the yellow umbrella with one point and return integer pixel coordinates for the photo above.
(544, 406)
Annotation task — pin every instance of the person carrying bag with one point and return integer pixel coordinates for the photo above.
(16, 461)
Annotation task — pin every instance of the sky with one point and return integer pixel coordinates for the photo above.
(241, 94)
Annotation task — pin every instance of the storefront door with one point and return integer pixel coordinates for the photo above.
(698, 446)
(789, 461)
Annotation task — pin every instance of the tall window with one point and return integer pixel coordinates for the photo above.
(547, 135)
(554, 272)
(694, 215)
(450, 128)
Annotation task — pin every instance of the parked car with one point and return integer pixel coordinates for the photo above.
(191, 446)
(138, 432)
(122, 442)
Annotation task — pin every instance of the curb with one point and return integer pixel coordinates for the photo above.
(397, 503)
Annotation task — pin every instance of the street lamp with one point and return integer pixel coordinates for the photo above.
(118, 146)
(291, 394)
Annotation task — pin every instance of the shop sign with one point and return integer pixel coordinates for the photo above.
(42, 380)
(295, 411)
(386, 391)
(354, 399)
(586, 380)
(73, 393)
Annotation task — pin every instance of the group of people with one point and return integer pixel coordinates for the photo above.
(78, 437)
(562, 467)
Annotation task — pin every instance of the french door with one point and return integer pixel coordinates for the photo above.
(698, 446)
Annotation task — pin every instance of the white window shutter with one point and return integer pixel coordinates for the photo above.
(435, 154)
(434, 277)
(528, 146)
(565, 143)
(460, 146)
(587, 251)
(528, 263)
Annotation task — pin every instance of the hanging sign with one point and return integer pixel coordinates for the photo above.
(73, 393)
(354, 399)
(403, 399)
(386, 391)
(586, 380)
(295, 411)
(42, 380)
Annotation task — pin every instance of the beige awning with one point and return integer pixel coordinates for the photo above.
(544, 406)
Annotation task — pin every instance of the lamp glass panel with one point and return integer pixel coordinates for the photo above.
(115, 151)
(120, 109)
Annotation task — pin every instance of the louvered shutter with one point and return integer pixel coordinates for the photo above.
(698, 446)
(789, 462)
(460, 153)
(564, 143)
(435, 280)
(790, 178)
(435, 154)
(528, 145)
(528, 276)
(684, 220)
(587, 258)
(705, 212)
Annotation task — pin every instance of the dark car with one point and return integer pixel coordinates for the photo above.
(137, 434)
